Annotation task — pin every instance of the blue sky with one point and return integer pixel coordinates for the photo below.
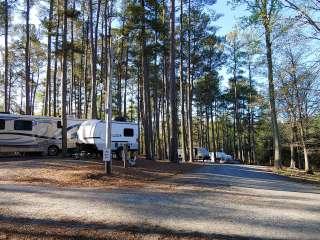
(229, 18)
(226, 23)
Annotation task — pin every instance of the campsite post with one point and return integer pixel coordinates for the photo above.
(107, 153)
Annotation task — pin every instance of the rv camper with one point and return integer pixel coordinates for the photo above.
(24, 133)
(92, 133)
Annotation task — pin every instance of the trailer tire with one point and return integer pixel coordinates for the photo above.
(53, 151)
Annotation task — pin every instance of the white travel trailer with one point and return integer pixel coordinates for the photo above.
(25, 133)
(92, 133)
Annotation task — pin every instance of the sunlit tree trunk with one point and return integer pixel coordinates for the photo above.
(301, 126)
(292, 143)
(55, 71)
(272, 98)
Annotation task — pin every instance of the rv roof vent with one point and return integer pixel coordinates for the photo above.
(120, 119)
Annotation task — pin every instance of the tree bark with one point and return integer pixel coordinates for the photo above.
(272, 99)
(72, 86)
(64, 81)
(6, 56)
(183, 120)
(300, 121)
(292, 157)
(173, 87)
(85, 72)
(47, 111)
(126, 84)
(27, 57)
(146, 90)
(56, 66)
(190, 87)
(93, 40)
(214, 140)
(120, 72)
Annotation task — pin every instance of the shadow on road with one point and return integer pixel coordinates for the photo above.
(24, 228)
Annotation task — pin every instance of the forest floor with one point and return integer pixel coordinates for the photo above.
(300, 175)
(89, 173)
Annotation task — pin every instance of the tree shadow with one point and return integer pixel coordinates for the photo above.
(13, 226)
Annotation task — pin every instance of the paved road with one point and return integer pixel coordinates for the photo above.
(222, 201)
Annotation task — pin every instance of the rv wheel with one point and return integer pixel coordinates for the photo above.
(53, 151)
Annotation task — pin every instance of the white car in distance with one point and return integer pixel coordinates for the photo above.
(222, 157)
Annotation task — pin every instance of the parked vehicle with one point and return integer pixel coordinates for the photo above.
(26, 133)
(92, 133)
(222, 157)
(199, 153)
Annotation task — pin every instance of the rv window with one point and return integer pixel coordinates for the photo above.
(2, 124)
(59, 125)
(128, 132)
(23, 125)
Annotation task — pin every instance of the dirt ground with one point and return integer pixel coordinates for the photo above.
(89, 172)
(299, 175)
(84, 173)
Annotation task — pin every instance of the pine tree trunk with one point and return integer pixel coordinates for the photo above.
(146, 90)
(126, 84)
(217, 125)
(164, 99)
(213, 134)
(272, 99)
(64, 81)
(10, 83)
(6, 56)
(292, 140)
(183, 118)
(300, 122)
(120, 72)
(173, 87)
(72, 86)
(27, 60)
(93, 40)
(55, 93)
(251, 118)
(85, 73)
(190, 87)
(48, 82)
